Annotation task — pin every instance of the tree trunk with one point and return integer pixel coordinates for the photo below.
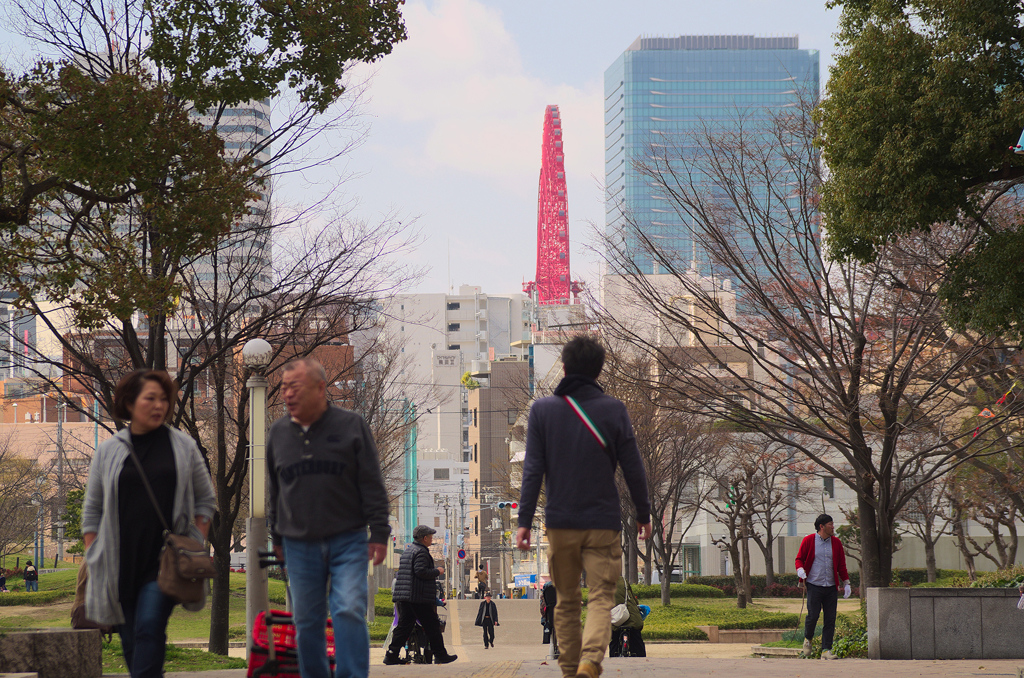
(220, 596)
(961, 543)
(871, 557)
(745, 554)
(737, 575)
(769, 566)
(631, 558)
(929, 560)
(648, 563)
(929, 551)
(666, 598)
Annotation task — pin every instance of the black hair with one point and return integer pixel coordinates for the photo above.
(583, 355)
(821, 520)
(130, 387)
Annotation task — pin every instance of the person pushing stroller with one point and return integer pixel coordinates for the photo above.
(415, 594)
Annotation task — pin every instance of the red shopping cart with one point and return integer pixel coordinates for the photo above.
(274, 651)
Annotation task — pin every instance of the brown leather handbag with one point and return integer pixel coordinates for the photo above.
(184, 562)
(78, 618)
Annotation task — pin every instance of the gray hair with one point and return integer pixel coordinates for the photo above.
(312, 365)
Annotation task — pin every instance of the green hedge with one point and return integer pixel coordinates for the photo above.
(1008, 578)
(913, 576)
(758, 581)
(679, 622)
(40, 598)
(678, 591)
(678, 633)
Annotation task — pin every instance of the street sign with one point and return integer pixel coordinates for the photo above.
(462, 554)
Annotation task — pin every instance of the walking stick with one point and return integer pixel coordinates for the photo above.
(803, 589)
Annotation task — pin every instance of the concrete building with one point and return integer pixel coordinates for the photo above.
(494, 410)
(442, 337)
(660, 90)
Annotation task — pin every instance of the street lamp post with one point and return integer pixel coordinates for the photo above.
(256, 354)
(37, 547)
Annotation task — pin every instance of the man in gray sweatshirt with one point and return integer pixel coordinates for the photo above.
(326, 489)
(575, 439)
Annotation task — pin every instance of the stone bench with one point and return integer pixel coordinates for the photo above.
(716, 635)
(51, 653)
(934, 623)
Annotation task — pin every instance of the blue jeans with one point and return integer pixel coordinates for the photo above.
(31, 586)
(341, 561)
(144, 632)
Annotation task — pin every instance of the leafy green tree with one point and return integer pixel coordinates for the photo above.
(72, 518)
(235, 51)
(124, 232)
(146, 187)
(924, 102)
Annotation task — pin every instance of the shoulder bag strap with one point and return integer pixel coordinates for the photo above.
(591, 426)
(149, 489)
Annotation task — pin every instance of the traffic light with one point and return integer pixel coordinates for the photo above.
(507, 505)
(731, 500)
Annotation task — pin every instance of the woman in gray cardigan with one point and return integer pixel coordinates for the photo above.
(122, 530)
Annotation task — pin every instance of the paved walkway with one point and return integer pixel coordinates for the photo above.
(670, 660)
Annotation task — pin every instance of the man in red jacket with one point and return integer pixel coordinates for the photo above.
(821, 566)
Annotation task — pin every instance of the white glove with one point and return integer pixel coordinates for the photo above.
(801, 573)
(846, 591)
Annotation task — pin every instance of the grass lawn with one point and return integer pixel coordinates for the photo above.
(51, 607)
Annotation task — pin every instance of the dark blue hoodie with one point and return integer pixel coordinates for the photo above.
(579, 475)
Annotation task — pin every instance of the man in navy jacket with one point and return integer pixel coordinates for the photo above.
(575, 440)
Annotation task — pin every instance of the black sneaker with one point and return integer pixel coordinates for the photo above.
(446, 660)
(392, 659)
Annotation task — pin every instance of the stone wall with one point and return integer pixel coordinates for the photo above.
(52, 653)
(932, 623)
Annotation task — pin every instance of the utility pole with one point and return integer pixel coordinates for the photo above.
(462, 524)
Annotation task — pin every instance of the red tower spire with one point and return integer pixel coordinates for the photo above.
(552, 284)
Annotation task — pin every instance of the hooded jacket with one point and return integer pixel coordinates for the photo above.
(578, 474)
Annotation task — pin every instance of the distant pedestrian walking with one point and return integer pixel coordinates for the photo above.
(575, 441)
(487, 617)
(31, 575)
(482, 579)
(821, 565)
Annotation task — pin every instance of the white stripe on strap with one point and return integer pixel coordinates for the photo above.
(586, 420)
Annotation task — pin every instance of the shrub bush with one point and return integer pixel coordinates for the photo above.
(20, 597)
(784, 586)
(1011, 577)
(851, 637)
(677, 591)
(784, 583)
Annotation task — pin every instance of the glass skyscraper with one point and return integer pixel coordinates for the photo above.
(661, 90)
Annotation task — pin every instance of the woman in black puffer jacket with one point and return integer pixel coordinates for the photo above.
(415, 595)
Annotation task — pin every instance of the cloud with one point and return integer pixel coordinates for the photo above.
(456, 97)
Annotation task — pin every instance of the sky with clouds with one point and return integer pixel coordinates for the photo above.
(456, 115)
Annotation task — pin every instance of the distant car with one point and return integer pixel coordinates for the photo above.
(676, 578)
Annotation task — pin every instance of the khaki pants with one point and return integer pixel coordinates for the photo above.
(599, 552)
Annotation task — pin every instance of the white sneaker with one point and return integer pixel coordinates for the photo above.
(807, 648)
(827, 654)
